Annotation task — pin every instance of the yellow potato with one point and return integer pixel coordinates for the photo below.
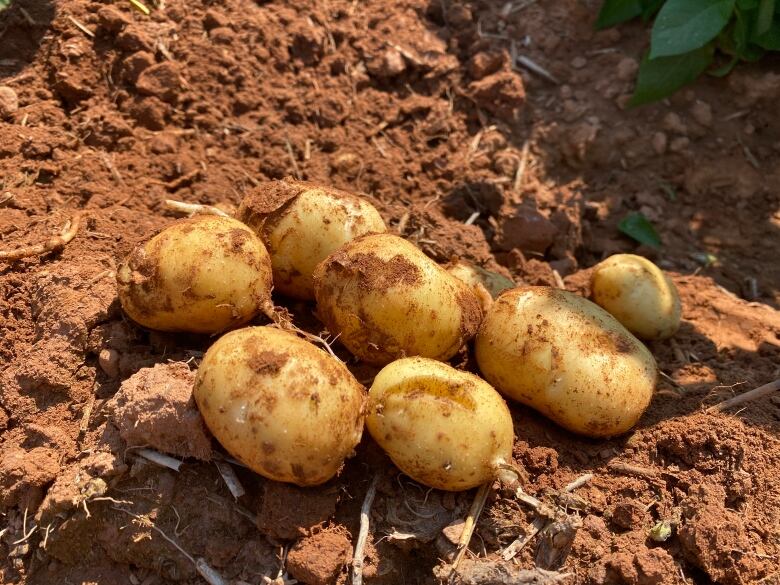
(301, 224)
(442, 427)
(386, 299)
(280, 405)
(638, 294)
(202, 275)
(486, 284)
(567, 358)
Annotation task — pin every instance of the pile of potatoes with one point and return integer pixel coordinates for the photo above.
(293, 412)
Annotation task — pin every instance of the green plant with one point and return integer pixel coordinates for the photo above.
(687, 34)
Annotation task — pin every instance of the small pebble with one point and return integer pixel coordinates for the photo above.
(9, 102)
(627, 68)
(579, 62)
(679, 144)
(702, 113)
(673, 123)
(109, 362)
(659, 142)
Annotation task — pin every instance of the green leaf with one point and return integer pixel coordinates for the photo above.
(616, 11)
(638, 227)
(735, 39)
(747, 4)
(770, 40)
(650, 7)
(724, 69)
(766, 10)
(685, 25)
(659, 78)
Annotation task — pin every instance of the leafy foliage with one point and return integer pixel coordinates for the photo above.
(688, 34)
(637, 227)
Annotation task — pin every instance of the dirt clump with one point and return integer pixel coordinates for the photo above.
(24, 474)
(320, 558)
(155, 408)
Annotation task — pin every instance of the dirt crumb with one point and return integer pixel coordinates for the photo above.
(318, 559)
(24, 473)
(155, 408)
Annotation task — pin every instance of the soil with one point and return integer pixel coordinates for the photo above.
(416, 105)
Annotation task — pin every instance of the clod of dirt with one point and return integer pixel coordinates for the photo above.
(486, 63)
(79, 482)
(481, 572)
(647, 567)
(288, 511)
(628, 515)
(134, 65)
(713, 538)
(525, 228)
(502, 94)
(161, 81)
(389, 64)
(318, 559)
(23, 474)
(155, 408)
(112, 20)
(9, 102)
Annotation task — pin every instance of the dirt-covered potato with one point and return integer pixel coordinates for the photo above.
(638, 294)
(486, 284)
(202, 275)
(280, 405)
(445, 428)
(386, 299)
(301, 223)
(567, 358)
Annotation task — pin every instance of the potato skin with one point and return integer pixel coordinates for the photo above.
(445, 428)
(638, 294)
(567, 358)
(487, 285)
(301, 223)
(280, 405)
(203, 275)
(386, 300)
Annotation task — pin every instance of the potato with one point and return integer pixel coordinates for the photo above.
(201, 275)
(638, 294)
(301, 224)
(442, 427)
(486, 284)
(280, 405)
(386, 299)
(567, 358)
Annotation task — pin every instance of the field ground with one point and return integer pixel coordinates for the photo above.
(416, 104)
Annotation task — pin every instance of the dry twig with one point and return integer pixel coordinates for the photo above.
(471, 523)
(579, 482)
(365, 510)
(160, 459)
(754, 394)
(192, 208)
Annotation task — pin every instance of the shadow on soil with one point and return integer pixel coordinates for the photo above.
(23, 25)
